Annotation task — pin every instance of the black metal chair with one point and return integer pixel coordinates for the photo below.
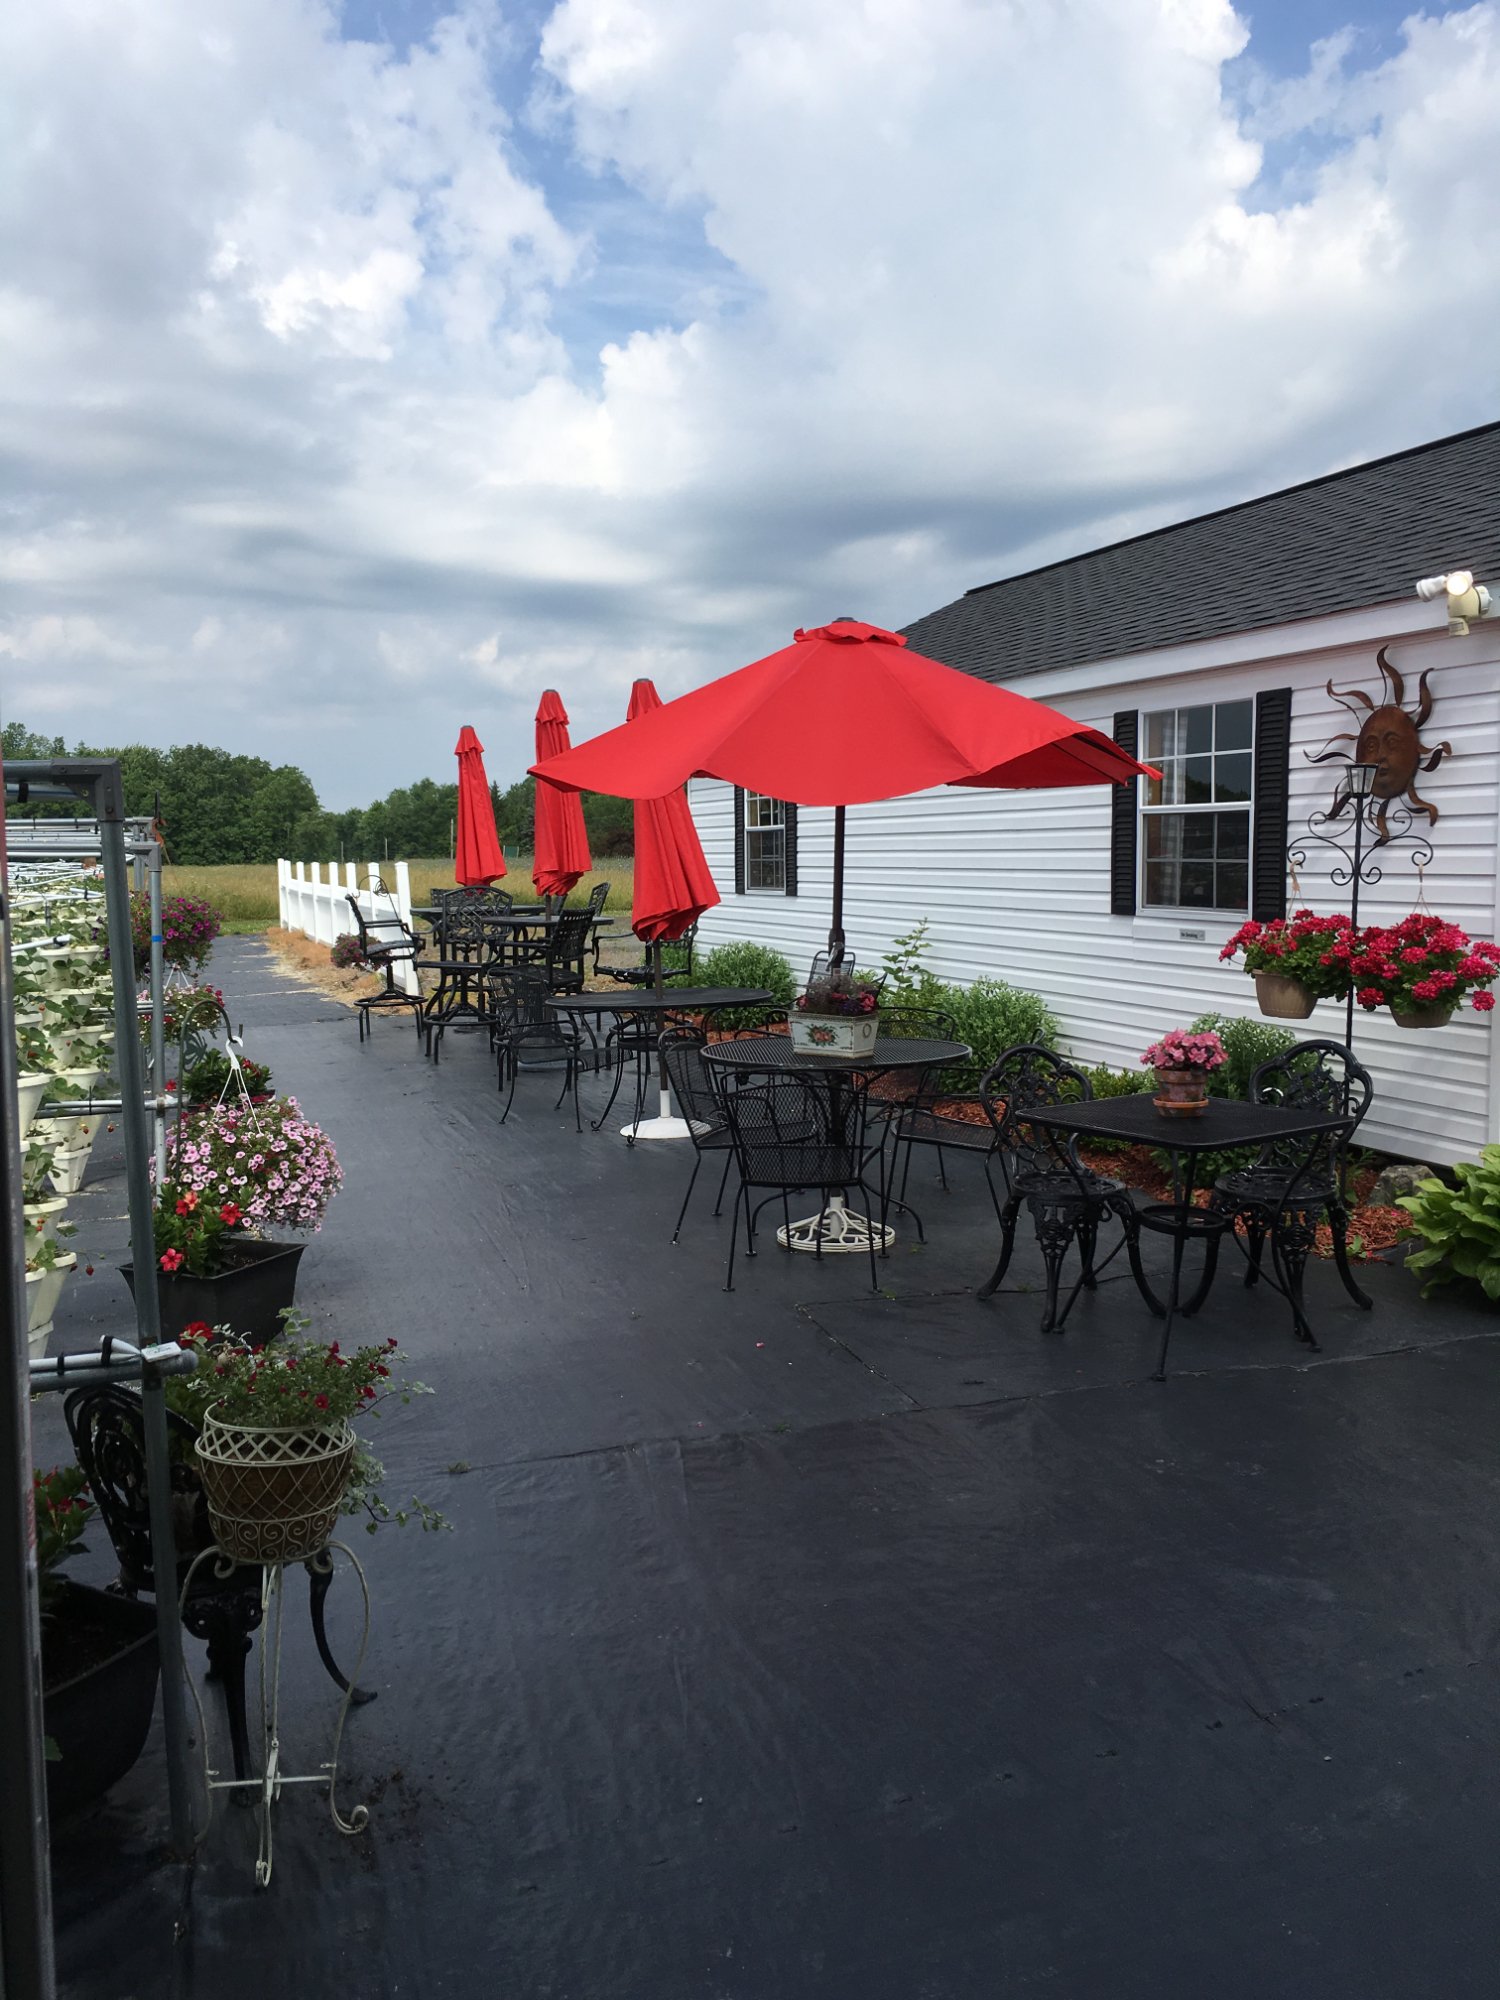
(384, 953)
(468, 954)
(784, 1141)
(107, 1430)
(526, 1036)
(920, 1110)
(698, 1105)
(643, 972)
(1296, 1183)
(1067, 1200)
(567, 948)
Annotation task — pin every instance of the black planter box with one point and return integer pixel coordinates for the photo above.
(99, 1717)
(249, 1297)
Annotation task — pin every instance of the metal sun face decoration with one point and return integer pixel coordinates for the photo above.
(1390, 738)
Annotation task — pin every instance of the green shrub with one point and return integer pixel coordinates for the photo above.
(1107, 1082)
(745, 963)
(1247, 1044)
(993, 1017)
(1459, 1226)
(909, 982)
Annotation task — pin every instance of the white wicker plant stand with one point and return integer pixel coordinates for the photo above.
(266, 1789)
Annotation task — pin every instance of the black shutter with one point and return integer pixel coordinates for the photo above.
(1273, 751)
(790, 847)
(739, 840)
(1122, 823)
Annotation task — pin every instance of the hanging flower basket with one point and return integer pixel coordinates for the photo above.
(1421, 1017)
(274, 1490)
(1283, 997)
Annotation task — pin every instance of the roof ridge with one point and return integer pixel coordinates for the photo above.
(1237, 507)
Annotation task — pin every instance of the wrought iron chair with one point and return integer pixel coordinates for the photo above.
(698, 1105)
(598, 897)
(1067, 1200)
(919, 1109)
(1296, 1183)
(526, 1036)
(467, 957)
(567, 948)
(106, 1427)
(643, 972)
(384, 953)
(784, 1141)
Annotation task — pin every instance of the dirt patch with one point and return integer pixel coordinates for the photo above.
(307, 961)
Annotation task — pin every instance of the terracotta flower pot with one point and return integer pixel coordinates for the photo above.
(1283, 997)
(1435, 1016)
(274, 1490)
(1181, 1093)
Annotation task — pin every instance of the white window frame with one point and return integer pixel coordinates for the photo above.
(750, 827)
(1146, 812)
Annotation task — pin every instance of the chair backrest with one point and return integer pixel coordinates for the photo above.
(1026, 1078)
(519, 996)
(778, 1122)
(1313, 1076)
(822, 964)
(918, 1024)
(569, 940)
(691, 1085)
(108, 1434)
(499, 900)
(598, 897)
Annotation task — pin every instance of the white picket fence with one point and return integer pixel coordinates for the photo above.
(320, 909)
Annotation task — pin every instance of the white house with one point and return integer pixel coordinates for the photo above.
(1210, 643)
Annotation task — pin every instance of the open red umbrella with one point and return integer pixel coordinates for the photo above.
(673, 887)
(846, 714)
(477, 859)
(560, 852)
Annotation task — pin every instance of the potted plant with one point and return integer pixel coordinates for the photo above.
(48, 1267)
(277, 1451)
(99, 1657)
(1297, 962)
(1422, 969)
(1183, 1062)
(238, 1170)
(838, 1015)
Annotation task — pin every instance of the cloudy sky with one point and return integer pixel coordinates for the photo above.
(364, 370)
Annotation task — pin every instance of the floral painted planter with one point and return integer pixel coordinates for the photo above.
(1181, 1093)
(274, 1490)
(43, 1290)
(847, 1035)
(1422, 1017)
(1282, 997)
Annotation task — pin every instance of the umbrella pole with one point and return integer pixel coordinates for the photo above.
(836, 927)
(659, 987)
(667, 1124)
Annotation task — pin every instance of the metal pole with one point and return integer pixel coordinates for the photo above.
(109, 807)
(26, 1961)
(158, 1012)
(1359, 845)
(836, 926)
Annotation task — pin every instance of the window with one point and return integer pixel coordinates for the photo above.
(1196, 816)
(765, 843)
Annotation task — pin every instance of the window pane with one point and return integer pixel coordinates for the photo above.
(1232, 725)
(1197, 725)
(1233, 843)
(1161, 735)
(1197, 785)
(765, 860)
(1233, 892)
(1198, 835)
(1232, 775)
(1161, 882)
(1197, 885)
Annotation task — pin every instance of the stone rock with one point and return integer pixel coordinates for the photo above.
(1401, 1177)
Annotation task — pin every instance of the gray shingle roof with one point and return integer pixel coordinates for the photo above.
(1339, 543)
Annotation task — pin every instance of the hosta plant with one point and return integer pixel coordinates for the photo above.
(1459, 1226)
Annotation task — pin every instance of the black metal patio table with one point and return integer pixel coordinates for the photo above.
(836, 1227)
(633, 1003)
(1224, 1124)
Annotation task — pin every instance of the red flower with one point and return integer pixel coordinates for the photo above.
(229, 1215)
(170, 1260)
(320, 1402)
(1483, 1002)
(183, 1209)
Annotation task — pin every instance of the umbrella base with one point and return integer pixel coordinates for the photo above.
(837, 1232)
(656, 1128)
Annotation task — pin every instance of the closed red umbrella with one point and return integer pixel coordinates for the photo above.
(673, 885)
(847, 713)
(477, 859)
(560, 853)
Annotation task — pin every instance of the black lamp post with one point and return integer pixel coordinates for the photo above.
(1357, 790)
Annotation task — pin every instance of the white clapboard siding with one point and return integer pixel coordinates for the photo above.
(320, 909)
(1016, 884)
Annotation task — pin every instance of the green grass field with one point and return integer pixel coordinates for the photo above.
(245, 893)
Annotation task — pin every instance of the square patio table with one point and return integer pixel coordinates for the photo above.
(1224, 1123)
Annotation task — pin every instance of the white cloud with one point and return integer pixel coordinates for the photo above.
(307, 452)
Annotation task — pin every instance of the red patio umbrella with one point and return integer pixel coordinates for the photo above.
(846, 714)
(477, 859)
(673, 887)
(561, 848)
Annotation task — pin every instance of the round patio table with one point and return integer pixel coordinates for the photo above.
(632, 1001)
(836, 1229)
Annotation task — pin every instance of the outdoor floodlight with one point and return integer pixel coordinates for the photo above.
(1466, 598)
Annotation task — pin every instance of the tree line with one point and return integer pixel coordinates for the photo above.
(216, 806)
